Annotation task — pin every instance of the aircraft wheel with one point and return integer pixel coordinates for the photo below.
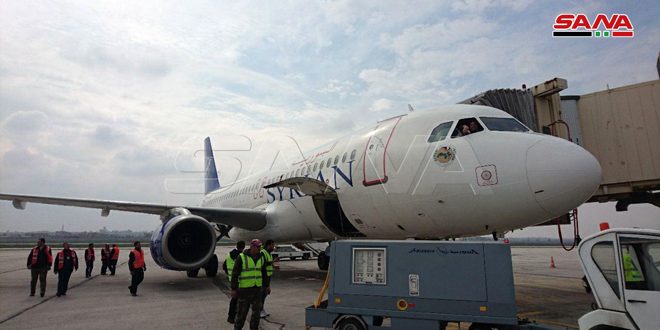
(211, 267)
(323, 261)
(192, 273)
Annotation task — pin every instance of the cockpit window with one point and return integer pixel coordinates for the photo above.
(503, 124)
(440, 132)
(467, 126)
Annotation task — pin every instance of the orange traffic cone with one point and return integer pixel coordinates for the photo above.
(552, 262)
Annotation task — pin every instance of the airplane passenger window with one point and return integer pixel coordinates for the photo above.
(504, 124)
(353, 154)
(315, 165)
(321, 166)
(440, 132)
(466, 126)
(327, 164)
(336, 160)
(343, 158)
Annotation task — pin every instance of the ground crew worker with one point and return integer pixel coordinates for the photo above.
(105, 258)
(268, 258)
(248, 278)
(631, 273)
(89, 260)
(137, 267)
(114, 256)
(39, 262)
(228, 267)
(65, 262)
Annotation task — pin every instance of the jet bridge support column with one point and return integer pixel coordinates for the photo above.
(548, 107)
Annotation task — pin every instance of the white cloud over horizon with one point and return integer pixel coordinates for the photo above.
(110, 99)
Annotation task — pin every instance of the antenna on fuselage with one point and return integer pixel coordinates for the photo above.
(410, 108)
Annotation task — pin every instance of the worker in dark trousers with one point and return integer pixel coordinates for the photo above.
(137, 267)
(105, 258)
(266, 251)
(65, 263)
(228, 267)
(39, 262)
(89, 260)
(248, 278)
(114, 256)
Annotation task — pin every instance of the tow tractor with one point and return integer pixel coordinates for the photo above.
(429, 284)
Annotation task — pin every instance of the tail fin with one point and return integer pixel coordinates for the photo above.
(210, 173)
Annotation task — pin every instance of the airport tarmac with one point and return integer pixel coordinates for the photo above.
(170, 300)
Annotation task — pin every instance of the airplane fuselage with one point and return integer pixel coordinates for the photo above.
(415, 176)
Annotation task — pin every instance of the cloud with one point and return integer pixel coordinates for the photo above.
(380, 105)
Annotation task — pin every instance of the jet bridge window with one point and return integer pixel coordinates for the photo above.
(440, 132)
(503, 124)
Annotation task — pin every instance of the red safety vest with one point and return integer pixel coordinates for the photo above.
(60, 259)
(139, 259)
(116, 255)
(35, 254)
(90, 254)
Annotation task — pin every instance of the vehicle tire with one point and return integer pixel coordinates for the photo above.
(350, 323)
(378, 320)
(211, 267)
(323, 261)
(293, 258)
(192, 273)
(306, 256)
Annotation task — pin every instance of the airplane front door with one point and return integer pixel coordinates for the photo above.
(374, 163)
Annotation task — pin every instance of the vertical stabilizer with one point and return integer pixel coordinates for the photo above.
(210, 173)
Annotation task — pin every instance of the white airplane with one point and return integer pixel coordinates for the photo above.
(412, 176)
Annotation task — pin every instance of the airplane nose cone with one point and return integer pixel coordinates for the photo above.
(561, 174)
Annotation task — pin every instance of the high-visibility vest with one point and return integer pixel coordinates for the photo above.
(105, 253)
(269, 262)
(250, 275)
(116, 255)
(60, 257)
(35, 255)
(630, 271)
(139, 259)
(230, 265)
(90, 254)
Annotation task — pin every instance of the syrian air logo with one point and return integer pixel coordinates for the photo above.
(602, 26)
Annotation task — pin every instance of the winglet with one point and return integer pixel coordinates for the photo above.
(210, 173)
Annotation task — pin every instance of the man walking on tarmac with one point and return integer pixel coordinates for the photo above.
(270, 246)
(105, 259)
(228, 267)
(114, 256)
(137, 267)
(39, 262)
(65, 262)
(248, 278)
(89, 260)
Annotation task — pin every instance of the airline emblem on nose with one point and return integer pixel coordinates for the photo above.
(444, 155)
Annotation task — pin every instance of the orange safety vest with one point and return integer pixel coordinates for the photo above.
(90, 255)
(35, 254)
(139, 259)
(60, 261)
(116, 255)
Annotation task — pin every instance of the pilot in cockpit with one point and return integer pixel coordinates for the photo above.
(471, 127)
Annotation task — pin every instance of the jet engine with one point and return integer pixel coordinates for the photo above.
(183, 241)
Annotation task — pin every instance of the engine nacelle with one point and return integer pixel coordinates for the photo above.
(183, 241)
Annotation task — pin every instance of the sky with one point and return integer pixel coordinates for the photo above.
(112, 99)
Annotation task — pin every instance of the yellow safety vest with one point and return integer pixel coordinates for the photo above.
(230, 265)
(250, 275)
(269, 262)
(630, 271)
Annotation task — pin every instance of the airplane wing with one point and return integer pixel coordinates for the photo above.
(242, 218)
